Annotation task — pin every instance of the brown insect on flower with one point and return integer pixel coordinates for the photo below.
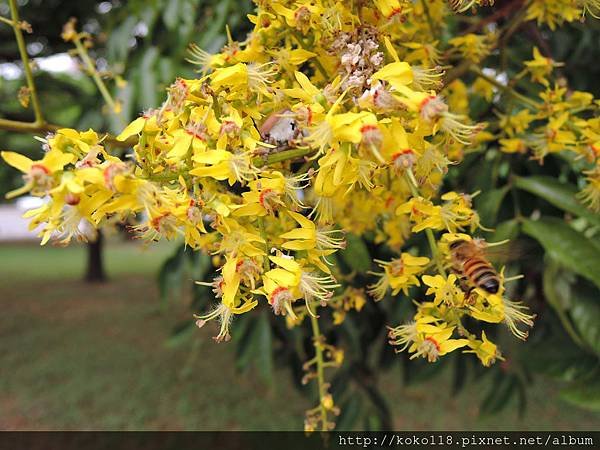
(281, 129)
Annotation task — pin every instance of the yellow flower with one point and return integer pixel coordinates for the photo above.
(337, 128)
(454, 214)
(303, 16)
(540, 67)
(590, 194)
(486, 350)
(516, 123)
(243, 77)
(514, 145)
(399, 275)
(398, 74)
(553, 13)
(66, 216)
(68, 140)
(474, 47)
(201, 126)
(240, 240)
(290, 59)
(486, 307)
(224, 165)
(309, 237)
(389, 8)
(39, 176)
(308, 93)
(484, 88)
(424, 338)
(445, 290)
(224, 314)
(281, 286)
(269, 193)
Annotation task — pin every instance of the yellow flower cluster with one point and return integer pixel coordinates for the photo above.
(328, 119)
(559, 120)
(554, 13)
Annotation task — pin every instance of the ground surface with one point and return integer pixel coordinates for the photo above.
(78, 356)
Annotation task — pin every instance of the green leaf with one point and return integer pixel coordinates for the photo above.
(505, 230)
(382, 417)
(212, 34)
(181, 334)
(585, 312)
(171, 14)
(118, 39)
(264, 358)
(200, 264)
(351, 409)
(565, 362)
(254, 341)
(243, 335)
(459, 376)
(356, 253)
(170, 276)
(585, 394)
(148, 80)
(488, 205)
(564, 244)
(499, 394)
(557, 285)
(559, 194)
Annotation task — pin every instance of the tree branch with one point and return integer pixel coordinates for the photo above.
(501, 13)
(42, 128)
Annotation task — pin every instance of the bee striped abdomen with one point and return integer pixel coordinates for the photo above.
(454, 4)
(481, 274)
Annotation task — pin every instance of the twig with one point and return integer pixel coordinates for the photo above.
(317, 340)
(499, 14)
(37, 110)
(91, 68)
(523, 99)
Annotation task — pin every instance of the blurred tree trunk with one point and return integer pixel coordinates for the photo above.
(95, 267)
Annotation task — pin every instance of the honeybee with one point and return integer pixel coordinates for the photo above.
(463, 5)
(469, 260)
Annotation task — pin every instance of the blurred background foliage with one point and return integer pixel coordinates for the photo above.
(144, 43)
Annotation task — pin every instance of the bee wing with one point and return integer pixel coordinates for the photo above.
(515, 250)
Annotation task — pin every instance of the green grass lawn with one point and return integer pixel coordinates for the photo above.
(80, 356)
(32, 262)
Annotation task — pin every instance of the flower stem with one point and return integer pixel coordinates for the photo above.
(37, 110)
(435, 254)
(6, 21)
(282, 156)
(317, 339)
(263, 233)
(91, 68)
